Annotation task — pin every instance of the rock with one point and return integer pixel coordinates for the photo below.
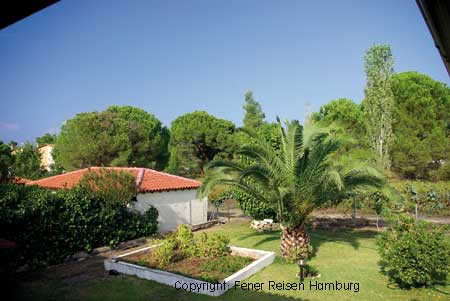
(264, 225)
(81, 254)
(100, 250)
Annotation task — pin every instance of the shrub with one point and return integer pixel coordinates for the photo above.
(412, 254)
(50, 225)
(115, 187)
(182, 244)
(212, 245)
(185, 241)
(253, 207)
(164, 253)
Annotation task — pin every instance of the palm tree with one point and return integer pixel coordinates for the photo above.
(303, 175)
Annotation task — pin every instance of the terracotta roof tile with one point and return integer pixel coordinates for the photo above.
(148, 180)
(20, 180)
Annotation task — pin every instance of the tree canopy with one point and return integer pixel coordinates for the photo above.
(344, 112)
(379, 101)
(6, 160)
(47, 138)
(27, 162)
(421, 126)
(196, 138)
(254, 116)
(118, 136)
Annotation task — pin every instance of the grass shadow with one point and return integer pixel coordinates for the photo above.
(132, 288)
(256, 233)
(267, 239)
(440, 291)
(343, 236)
(350, 237)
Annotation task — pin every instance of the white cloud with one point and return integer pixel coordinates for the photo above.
(9, 127)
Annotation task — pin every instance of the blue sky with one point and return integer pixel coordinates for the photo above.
(174, 57)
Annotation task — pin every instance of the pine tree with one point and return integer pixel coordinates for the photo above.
(254, 116)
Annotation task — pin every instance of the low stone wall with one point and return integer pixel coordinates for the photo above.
(336, 222)
(263, 259)
(206, 225)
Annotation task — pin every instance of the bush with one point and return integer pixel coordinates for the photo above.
(50, 225)
(185, 241)
(212, 245)
(414, 255)
(163, 254)
(252, 207)
(182, 244)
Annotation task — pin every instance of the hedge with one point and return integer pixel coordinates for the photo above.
(49, 225)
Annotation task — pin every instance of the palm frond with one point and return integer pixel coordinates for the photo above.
(301, 176)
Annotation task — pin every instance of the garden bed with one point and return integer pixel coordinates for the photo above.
(194, 274)
(207, 269)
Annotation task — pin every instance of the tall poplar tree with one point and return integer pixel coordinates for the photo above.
(379, 101)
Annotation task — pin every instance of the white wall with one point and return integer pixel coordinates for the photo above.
(174, 207)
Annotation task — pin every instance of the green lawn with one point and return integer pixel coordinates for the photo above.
(344, 255)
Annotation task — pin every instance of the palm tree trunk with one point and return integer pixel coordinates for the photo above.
(292, 238)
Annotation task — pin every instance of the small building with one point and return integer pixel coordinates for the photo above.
(46, 156)
(174, 197)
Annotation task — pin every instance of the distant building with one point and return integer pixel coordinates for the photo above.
(45, 152)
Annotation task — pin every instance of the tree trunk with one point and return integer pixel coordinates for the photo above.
(378, 228)
(291, 238)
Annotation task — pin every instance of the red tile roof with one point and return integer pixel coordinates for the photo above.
(147, 180)
(19, 180)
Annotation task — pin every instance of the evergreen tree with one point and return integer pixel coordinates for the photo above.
(254, 116)
(47, 138)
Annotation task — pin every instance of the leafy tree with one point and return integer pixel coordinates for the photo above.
(196, 139)
(345, 113)
(13, 144)
(6, 160)
(421, 125)
(118, 136)
(254, 116)
(27, 162)
(47, 138)
(295, 182)
(379, 101)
